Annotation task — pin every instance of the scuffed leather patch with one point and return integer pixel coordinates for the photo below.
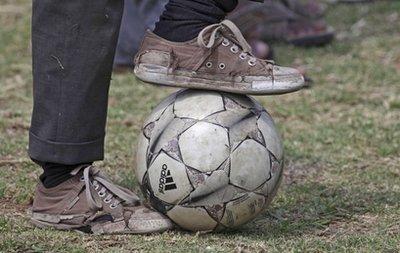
(157, 57)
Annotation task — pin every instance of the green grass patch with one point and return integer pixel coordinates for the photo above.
(341, 187)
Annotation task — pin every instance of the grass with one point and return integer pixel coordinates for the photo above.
(341, 191)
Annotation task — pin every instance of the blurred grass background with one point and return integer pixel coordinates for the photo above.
(341, 191)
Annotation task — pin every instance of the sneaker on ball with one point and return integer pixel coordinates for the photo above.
(219, 59)
(90, 202)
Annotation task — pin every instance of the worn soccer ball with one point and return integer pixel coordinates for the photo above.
(209, 160)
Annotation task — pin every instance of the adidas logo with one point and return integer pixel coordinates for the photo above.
(166, 180)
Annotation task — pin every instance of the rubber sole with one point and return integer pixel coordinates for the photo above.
(87, 229)
(47, 225)
(158, 75)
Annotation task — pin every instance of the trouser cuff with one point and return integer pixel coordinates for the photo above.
(65, 153)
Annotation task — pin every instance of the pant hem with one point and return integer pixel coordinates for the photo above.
(65, 153)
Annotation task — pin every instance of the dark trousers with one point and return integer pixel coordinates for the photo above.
(73, 47)
(73, 44)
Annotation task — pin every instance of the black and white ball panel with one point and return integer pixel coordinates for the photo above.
(209, 160)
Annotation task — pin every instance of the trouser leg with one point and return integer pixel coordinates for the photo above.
(73, 46)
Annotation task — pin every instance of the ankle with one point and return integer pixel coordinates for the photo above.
(183, 20)
(55, 174)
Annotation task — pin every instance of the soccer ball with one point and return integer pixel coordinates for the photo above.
(209, 160)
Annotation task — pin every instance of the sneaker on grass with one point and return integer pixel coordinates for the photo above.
(90, 202)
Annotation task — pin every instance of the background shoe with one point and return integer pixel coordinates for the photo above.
(220, 59)
(310, 9)
(90, 202)
(296, 22)
(308, 33)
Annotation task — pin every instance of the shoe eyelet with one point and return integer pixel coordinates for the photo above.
(222, 65)
(234, 50)
(96, 187)
(82, 178)
(113, 206)
(243, 56)
(225, 43)
(209, 64)
(107, 201)
(102, 194)
(252, 63)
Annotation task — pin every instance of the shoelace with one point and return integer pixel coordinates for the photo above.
(216, 29)
(93, 176)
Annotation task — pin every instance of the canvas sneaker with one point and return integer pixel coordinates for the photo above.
(90, 202)
(219, 59)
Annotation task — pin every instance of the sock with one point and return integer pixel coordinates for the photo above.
(55, 174)
(227, 5)
(183, 20)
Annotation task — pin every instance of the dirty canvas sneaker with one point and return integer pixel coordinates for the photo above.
(90, 202)
(219, 59)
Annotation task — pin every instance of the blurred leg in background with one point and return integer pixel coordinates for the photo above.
(137, 18)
